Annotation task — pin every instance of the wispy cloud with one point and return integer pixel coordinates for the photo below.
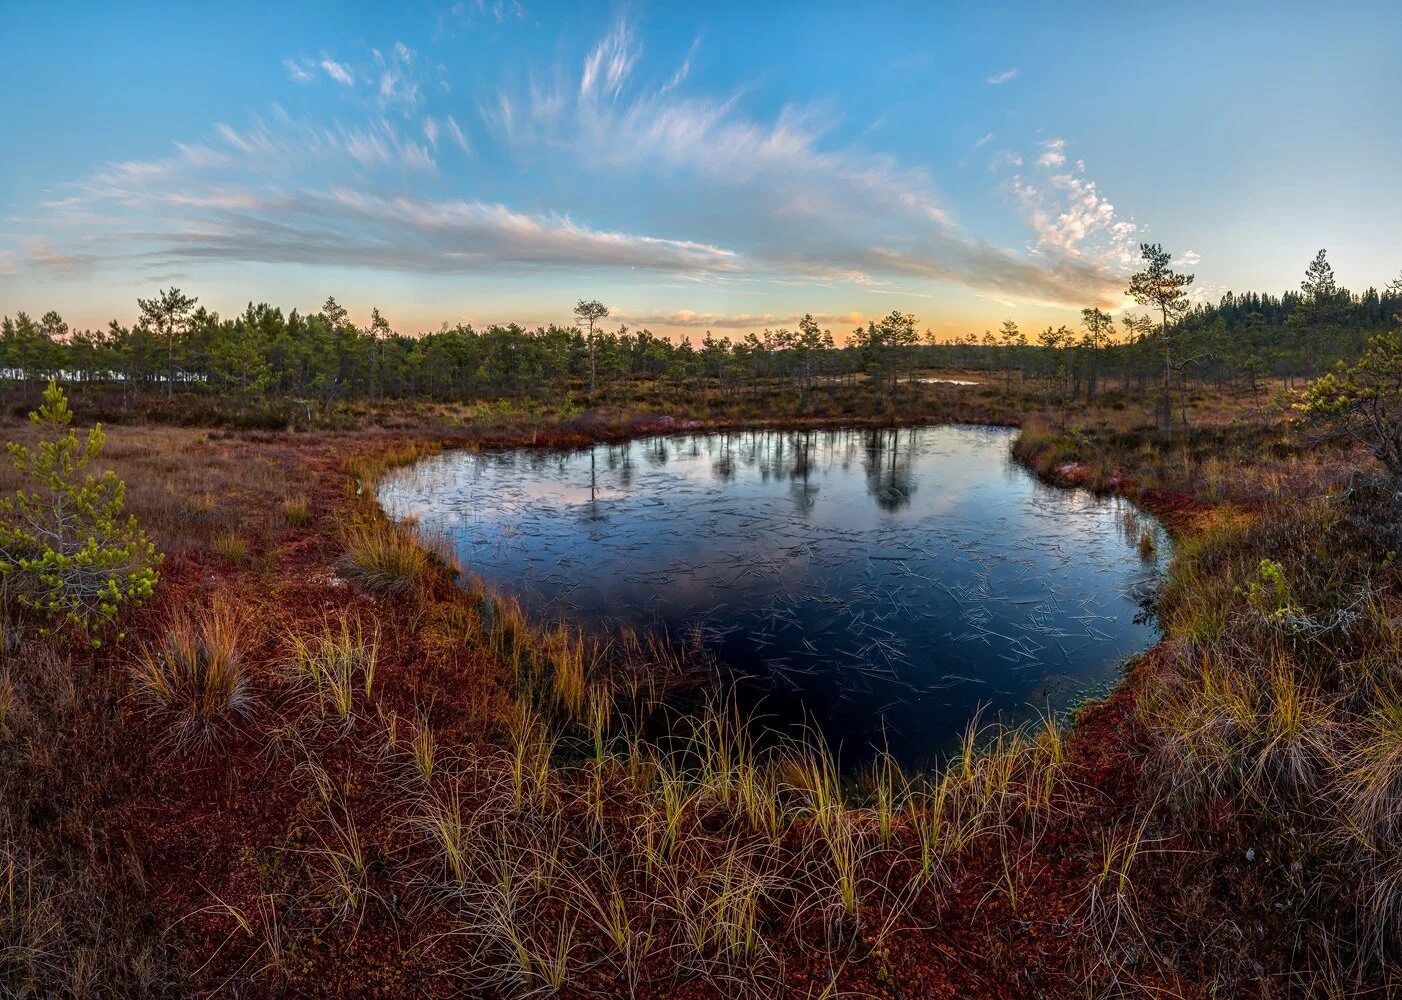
(607, 67)
(457, 134)
(733, 197)
(377, 142)
(798, 206)
(40, 254)
(1003, 77)
(496, 10)
(684, 70)
(337, 71)
(299, 70)
(343, 226)
(305, 70)
(389, 80)
(1053, 153)
(397, 84)
(202, 204)
(1005, 159)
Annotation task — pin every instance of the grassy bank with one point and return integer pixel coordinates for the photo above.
(1272, 708)
(323, 762)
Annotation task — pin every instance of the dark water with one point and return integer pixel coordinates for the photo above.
(885, 585)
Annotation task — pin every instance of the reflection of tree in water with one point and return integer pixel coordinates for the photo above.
(799, 456)
(592, 511)
(621, 458)
(801, 488)
(889, 471)
(723, 468)
(775, 449)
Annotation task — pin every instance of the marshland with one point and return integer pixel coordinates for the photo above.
(706, 685)
(518, 500)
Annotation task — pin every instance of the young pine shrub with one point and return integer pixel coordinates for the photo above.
(1361, 401)
(194, 675)
(383, 559)
(66, 553)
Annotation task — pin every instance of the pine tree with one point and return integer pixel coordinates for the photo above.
(1159, 286)
(65, 551)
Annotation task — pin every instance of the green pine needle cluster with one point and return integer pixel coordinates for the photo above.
(66, 553)
(1364, 400)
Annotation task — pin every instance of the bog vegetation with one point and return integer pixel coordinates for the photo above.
(324, 760)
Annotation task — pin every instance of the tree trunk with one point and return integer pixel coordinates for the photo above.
(591, 362)
(1166, 415)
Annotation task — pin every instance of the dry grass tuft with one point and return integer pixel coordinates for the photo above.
(336, 665)
(296, 511)
(384, 559)
(194, 675)
(232, 547)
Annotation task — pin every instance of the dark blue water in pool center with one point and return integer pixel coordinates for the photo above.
(883, 584)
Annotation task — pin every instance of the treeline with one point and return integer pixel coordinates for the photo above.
(325, 358)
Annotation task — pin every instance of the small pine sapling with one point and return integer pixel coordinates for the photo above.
(66, 553)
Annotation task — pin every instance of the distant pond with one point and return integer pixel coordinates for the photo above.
(883, 586)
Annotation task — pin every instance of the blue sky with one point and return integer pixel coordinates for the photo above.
(726, 166)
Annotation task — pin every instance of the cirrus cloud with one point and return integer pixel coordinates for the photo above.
(734, 197)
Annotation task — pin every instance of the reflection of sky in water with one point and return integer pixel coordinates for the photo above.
(876, 581)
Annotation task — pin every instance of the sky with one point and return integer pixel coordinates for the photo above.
(723, 167)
